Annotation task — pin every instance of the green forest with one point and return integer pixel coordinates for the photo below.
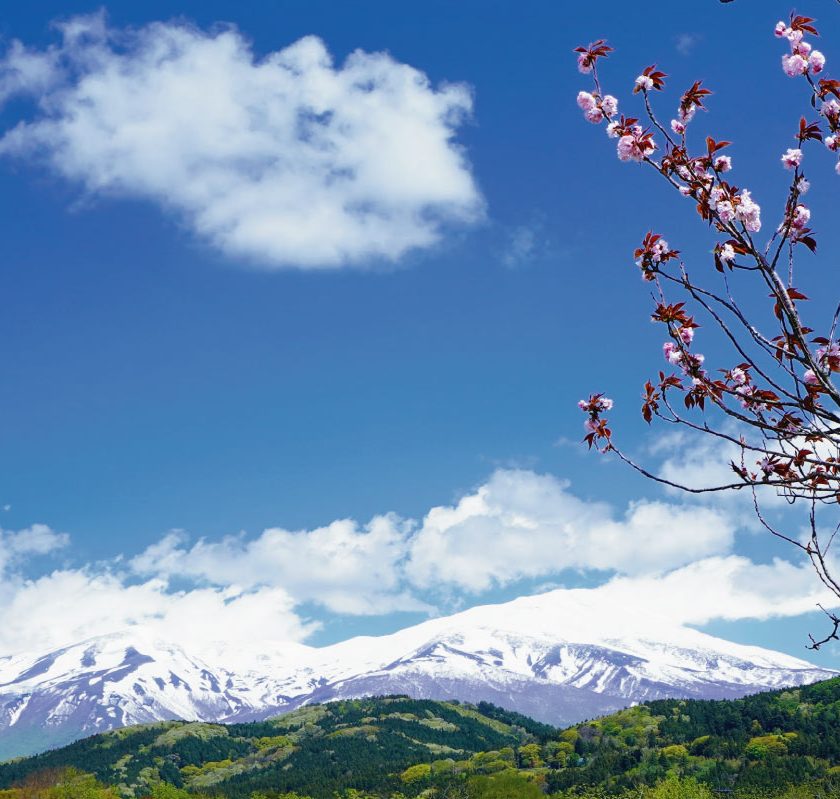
(783, 744)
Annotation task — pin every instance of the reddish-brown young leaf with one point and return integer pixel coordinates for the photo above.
(829, 86)
(800, 23)
(713, 146)
(807, 131)
(656, 76)
(809, 242)
(593, 52)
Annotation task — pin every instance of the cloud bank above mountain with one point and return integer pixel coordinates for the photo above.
(285, 160)
(654, 560)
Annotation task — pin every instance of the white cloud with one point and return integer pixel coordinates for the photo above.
(25, 71)
(73, 605)
(286, 160)
(663, 563)
(520, 524)
(343, 566)
(727, 588)
(698, 460)
(17, 545)
(517, 525)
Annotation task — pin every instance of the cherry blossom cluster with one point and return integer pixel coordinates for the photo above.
(595, 109)
(732, 210)
(739, 379)
(634, 143)
(827, 358)
(730, 206)
(830, 109)
(595, 404)
(681, 328)
(595, 425)
(588, 56)
(781, 399)
(654, 252)
(792, 158)
(802, 59)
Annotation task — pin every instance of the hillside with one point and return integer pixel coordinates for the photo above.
(758, 746)
(316, 750)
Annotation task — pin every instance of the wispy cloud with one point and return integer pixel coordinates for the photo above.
(686, 42)
(521, 244)
(284, 161)
(525, 243)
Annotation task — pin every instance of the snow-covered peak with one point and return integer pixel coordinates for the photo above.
(550, 655)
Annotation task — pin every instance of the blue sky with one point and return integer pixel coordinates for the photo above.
(155, 381)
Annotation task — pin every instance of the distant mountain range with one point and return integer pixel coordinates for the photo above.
(548, 656)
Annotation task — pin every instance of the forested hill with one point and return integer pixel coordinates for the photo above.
(779, 744)
(316, 750)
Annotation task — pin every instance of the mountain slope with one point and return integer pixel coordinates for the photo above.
(549, 656)
(320, 749)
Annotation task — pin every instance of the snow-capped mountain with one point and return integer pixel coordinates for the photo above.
(549, 656)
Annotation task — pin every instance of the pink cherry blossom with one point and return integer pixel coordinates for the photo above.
(833, 143)
(659, 250)
(801, 216)
(723, 163)
(609, 105)
(794, 65)
(802, 186)
(792, 158)
(678, 127)
(810, 378)
(612, 130)
(829, 356)
(747, 392)
(644, 82)
(672, 353)
(794, 37)
(739, 376)
(686, 335)
(830, 109)
(584, 64)
(727, 252)
(595, 404)
(687, 114)
(631, 148)
(586, 101)
(749, 212)
(594, 115)
(780, 30)
(716, 196)
(726, 212)
(816, 61)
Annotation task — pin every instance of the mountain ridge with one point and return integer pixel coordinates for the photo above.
(548, 656)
